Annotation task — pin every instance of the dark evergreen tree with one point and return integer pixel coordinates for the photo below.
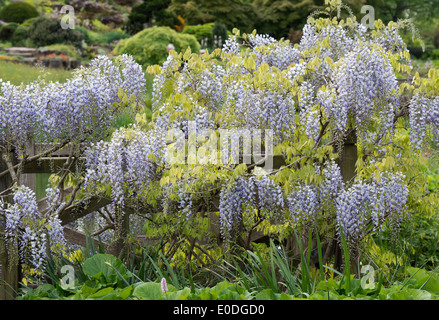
(150, 13)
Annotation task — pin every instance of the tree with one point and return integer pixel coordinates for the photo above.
(150, 13)
(54, 116)
(235, 13)
(276, 17)
(392, 10)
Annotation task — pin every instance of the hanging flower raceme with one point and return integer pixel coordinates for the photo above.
(331, 41)
(303, 205)
(234, 200)
(30, 233)
(366, 88)
(279, 54)
(269, 196)
(81, 105)
(309, 114)
(375, 202)
(332, 184)
(126, 164)
(424, 119)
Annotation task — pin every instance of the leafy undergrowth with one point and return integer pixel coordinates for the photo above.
(107, 278)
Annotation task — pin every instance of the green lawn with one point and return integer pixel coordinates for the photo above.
(18, 73)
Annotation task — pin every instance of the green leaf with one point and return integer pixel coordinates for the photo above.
(409, 294)
(126, 292)
(177, 295)
(105, 267)
(148, 291)
(266, 294)
(88, 291)
(101, 293)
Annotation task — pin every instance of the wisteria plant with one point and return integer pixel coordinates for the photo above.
(341, 82)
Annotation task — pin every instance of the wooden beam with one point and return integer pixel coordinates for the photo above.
(80, 238)
(42, 203)
(82, 209)
(47, 165)
(63, 151)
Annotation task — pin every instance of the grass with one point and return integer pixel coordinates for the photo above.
(22, 73)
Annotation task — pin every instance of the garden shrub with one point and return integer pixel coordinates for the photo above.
(20, 35)
(148, 47)
(89, 36)
(18, 12)
(417, 51)
(7, 31)
(46, 31)
(104, 37)
(201, 32)
(432, 54)
(28, 23)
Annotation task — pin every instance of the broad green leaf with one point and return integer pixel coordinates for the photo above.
(148, 291)
(105, 267)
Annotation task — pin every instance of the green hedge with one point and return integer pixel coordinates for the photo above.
(148, 47)
(18, 12)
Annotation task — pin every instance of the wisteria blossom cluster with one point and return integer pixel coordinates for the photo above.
(362, 205)
(424, 119)
(337, 73)
(127, 163)
(233, 202)
(29, 233)
(366, 203)
(342, 40)
(338, 78)
(80, 106)
(279, 54)
(303, 204)
(366, 86)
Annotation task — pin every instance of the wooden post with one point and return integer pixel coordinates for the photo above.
(29, 179)
(118, 247)
(8, 273)
(347, 163)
